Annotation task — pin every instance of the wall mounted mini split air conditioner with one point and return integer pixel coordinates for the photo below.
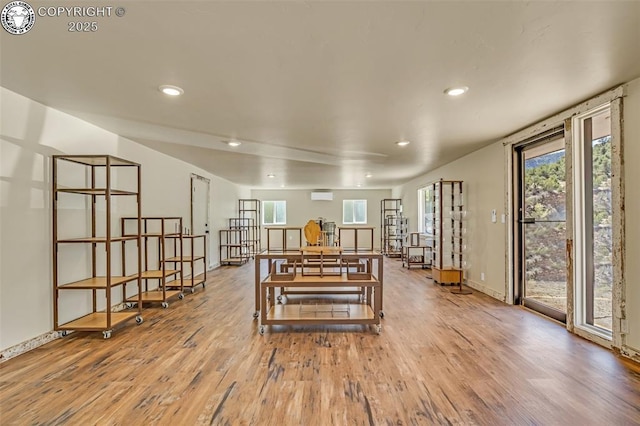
(322, 196)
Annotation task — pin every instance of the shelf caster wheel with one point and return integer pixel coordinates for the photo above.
(381, 314)
(63, 333)
(165, 305)
(106, 334)
(256, 314)
(282, 299)
(180, 296)
(378, 329)
(139, 319)
(261, 330)
(128, 305)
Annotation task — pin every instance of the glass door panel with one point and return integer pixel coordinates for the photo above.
(543, 228)
(598, 218)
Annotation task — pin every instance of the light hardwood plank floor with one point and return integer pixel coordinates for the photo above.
(440, 359)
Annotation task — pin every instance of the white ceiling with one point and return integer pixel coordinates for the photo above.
(319, 92)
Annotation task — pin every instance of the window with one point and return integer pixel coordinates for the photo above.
(594, 220)
(425, 210)
(274, 212)
(354, 212)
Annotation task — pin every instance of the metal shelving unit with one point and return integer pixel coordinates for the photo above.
(157, 233)
(86, 234)
(394, 227)
(448, 233)
(251, 209)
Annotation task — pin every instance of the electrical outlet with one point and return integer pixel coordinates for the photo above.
(503, 218)
(481, 276)
(494, 217)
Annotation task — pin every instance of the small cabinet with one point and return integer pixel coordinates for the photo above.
(94, 268)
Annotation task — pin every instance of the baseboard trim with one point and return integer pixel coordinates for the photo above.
(486, 290)
(631, 353)
(42, 339)
(28, 345)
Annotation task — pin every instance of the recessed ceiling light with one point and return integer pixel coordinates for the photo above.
(403, 143)
(234, 143)
(358, 185)
(271, 175)
(456, 91)
(171, 90)
(368, 175)
(282, 186)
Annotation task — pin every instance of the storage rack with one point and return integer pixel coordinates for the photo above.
(367, 282)
(247, 225)
(356, 238)
(195, 255)
(447, 204)
(251, 209)
(394, 227)
(234, 248)
(156, 233)
(284, 238)
(104, 171)
(415, 253)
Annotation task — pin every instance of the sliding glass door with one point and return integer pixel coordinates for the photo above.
(542, 227)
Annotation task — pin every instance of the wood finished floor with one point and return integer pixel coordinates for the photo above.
(441, 359)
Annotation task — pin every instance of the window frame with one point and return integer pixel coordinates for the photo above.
(354, 219)
(275, 212)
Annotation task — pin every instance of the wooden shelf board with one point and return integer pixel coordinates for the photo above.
(184, 259)
(98, 321)
(158, 274)
(323, 290)
(95, 191)
(331, 280)
(98, 282)
(154, 296)
(307, 315)
(98, 239)
(188, 284)
(235, 259)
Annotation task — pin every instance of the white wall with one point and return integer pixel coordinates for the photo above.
(483, 175)
(30, 134)
(631, 111)
(300, 208)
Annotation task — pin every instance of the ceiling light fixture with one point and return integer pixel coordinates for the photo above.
(234, 143)
(456, 91)
(403, 143)
(271, 175)
(368, 175)
(358, 185)
(171, 90)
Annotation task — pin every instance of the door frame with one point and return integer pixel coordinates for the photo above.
(518, 191)
(563, 118)
(195, 178)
